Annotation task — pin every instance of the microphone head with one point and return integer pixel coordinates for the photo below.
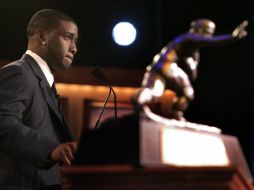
(97, 73)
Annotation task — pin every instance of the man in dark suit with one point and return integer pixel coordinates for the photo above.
(34, 136)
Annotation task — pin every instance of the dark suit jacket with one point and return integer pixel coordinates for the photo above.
(31, 126)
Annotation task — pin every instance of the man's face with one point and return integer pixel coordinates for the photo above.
(62, 45)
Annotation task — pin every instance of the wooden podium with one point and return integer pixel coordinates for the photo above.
(124, 177)
(137, 153)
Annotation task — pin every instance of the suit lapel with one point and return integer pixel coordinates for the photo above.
(45, 88)
(47, 93)
(53, 104)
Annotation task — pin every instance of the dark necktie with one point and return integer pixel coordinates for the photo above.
(65, 134)
(56, 97)
(53, 88)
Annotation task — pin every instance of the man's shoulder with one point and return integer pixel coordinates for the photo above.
(18, 68)
(16, 64)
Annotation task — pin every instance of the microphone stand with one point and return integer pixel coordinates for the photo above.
(103, 108)
(115, 105)
(97, 72)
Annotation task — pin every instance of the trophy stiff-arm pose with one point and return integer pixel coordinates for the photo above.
(175, 67)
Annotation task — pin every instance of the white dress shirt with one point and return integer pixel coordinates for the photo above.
(44, 67)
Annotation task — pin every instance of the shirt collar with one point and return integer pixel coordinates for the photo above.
(44, 67)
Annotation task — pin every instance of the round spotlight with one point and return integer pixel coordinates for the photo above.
(124, 33)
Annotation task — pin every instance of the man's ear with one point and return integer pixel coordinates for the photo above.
(41, 37)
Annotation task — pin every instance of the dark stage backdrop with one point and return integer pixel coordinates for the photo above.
(224, 88)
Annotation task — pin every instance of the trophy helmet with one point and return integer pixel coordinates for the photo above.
(203, 27)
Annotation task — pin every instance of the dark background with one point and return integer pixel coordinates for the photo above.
(224, 88)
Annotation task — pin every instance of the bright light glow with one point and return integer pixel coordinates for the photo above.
(124, 33)
(187, 148)
(145, 96)
(158, 88)
(92, 91)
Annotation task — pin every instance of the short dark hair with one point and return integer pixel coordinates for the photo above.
(46, 19)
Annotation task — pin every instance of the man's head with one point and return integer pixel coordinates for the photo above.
(203, 27)
(53, 36)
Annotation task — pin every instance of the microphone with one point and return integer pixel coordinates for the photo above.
(97, 73)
